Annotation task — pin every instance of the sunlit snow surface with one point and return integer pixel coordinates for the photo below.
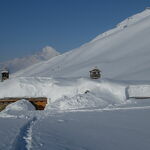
(85, 114)
(121, 53)
(81, 114)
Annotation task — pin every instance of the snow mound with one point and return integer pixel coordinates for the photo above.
(92, 95)
(83, 101)
(19, 106)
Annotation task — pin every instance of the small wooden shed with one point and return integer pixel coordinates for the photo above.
(4, 74)
(95, 73)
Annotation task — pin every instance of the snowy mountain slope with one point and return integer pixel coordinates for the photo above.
(122, 53)
(124, 24)
(21, 63)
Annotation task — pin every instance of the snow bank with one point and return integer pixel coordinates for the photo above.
(69, 93)
(73, 93)
(91, 94)
(18, 107)
(80, 101)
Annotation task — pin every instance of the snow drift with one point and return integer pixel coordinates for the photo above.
(65, 94)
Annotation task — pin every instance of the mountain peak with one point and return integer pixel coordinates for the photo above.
(17, 64)
(47, 53)
(48, 49)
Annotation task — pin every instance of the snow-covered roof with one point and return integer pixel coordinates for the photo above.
(4, 71)
(95, 70)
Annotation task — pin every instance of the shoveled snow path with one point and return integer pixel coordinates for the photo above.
(24, 139)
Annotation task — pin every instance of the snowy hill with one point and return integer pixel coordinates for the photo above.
(121, 53)
(21, 63)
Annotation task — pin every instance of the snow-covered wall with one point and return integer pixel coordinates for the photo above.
(139, 91)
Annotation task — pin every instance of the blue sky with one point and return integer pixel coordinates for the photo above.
(26, 26)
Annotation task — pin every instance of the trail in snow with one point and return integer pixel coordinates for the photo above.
(24, 139)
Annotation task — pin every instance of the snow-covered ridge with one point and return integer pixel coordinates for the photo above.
(124, 24)
(134, 19)
(24, 62)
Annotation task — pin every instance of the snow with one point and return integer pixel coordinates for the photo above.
(83, 113)
(66, 94)
(20, 105)
(122, 54)
(9, 130)
(4, 71)
(73, 93)
(139, 91)
(124, 24)
(17, 108)
(113, 130)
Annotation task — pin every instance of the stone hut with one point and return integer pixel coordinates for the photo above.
(95, 73)
(4, 74)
